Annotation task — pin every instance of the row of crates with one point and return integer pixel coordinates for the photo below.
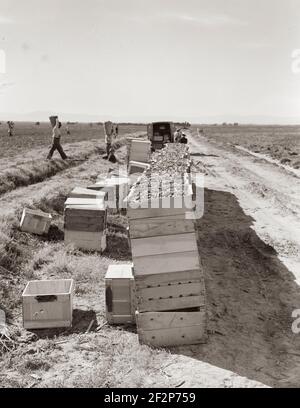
(168, 275)
(164, 288)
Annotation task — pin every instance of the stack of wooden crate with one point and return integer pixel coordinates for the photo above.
(85, 223)
(169, 281)
(139, 150)
(138, 155)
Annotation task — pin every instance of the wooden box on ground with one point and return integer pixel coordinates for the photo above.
(173, 328)
(119, 295)
(48, 304)
(35, 221)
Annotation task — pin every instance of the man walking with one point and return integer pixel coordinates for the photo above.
(56, 135)
(108, 132)
(10, 128)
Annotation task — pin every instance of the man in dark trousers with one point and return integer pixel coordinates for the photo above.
(10, 125)
(183, 139)
(56, 135)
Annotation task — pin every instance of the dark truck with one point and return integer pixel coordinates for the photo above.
(160, 133)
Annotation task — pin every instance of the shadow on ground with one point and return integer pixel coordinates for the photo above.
(250, 298)
(81, 322)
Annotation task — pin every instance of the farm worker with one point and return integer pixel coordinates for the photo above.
(108, 132)
(183, 139)
(56, 135)
(177, 135)
(117, 130)
(10, 128)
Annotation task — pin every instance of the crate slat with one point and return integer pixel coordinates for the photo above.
(155, 227)
(165, 244)
(186, 302)
(146, 281)
(164, 263)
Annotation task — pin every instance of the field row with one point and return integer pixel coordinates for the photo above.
(278, 142)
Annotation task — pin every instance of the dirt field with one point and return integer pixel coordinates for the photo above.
(250, 248)
(281, 143)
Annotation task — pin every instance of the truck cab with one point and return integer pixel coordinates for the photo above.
(160, 133)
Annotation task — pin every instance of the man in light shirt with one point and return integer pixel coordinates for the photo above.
(108, 132)
(56, 135)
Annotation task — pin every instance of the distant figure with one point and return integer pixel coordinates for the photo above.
(68, 130)
(183, 139)
(108, 132)
(177, 136)
(10, 125)
(56, 135)
(117, 130)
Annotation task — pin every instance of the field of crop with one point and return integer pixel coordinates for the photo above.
(278, 142)
(28, 136)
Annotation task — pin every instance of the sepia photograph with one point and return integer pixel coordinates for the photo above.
(149, 197)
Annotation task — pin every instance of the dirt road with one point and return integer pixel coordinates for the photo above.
(250, 248)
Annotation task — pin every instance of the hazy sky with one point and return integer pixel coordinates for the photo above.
(140, 58)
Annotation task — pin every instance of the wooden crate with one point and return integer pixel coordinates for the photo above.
(158, 226)
(88, 241)
(53, 120)
(139, 150)
(88, 216)
(85, 224)
(137, 167)
(35, 222)
(48, 304)
(173, 328)
(166, 263)
(164, 244)
(170, 291)
(119, 293)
